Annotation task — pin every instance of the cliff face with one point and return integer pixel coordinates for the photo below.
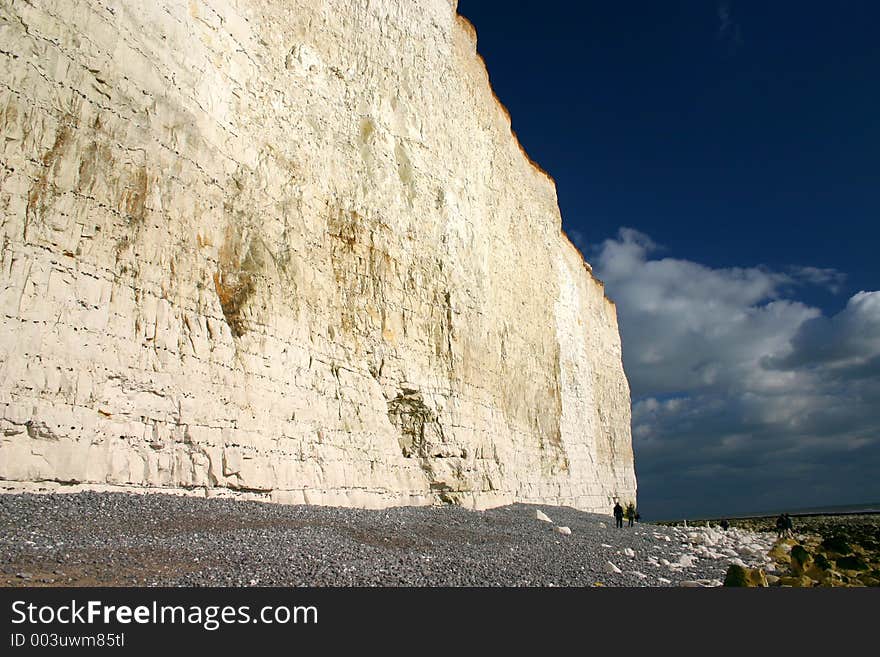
(289, 249)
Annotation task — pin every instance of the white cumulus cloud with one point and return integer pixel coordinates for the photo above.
(743, 395)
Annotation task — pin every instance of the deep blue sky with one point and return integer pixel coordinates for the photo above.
(739, 137)
(762, 148)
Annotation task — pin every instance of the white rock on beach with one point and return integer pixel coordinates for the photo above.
(611, 568)
(565, 531)
(540, 515)
(686, 560)
(629, 552)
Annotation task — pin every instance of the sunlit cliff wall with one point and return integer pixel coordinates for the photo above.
(289, 249)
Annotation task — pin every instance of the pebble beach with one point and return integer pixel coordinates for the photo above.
(118, 539)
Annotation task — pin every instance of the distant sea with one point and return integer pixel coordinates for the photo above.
(840, 509)
(834, 510)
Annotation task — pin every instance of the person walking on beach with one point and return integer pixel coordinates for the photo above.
(788, 526)
(630, 513)
(618, 515)
(780, 526)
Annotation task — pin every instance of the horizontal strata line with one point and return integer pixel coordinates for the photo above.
(237, 490)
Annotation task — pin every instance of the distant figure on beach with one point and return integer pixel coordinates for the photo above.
(618, 515)
(725, 525)
(780, 526)
(631, 513)
(788, 526)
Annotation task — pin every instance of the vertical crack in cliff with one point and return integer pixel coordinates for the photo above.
(446, 326)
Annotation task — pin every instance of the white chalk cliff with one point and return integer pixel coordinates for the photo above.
(289, 249)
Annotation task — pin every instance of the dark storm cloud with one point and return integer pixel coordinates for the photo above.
(742, 396)
(849, 340)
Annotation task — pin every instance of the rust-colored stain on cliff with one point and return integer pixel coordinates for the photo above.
(43, 190)
(235, 280)
(233, 293)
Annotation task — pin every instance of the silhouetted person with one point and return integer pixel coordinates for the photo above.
(788, 527)
(780, 526)
(725, 525)
(618, 515)
(630, 513)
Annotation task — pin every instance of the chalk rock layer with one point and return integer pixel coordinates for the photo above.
(289, 250)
